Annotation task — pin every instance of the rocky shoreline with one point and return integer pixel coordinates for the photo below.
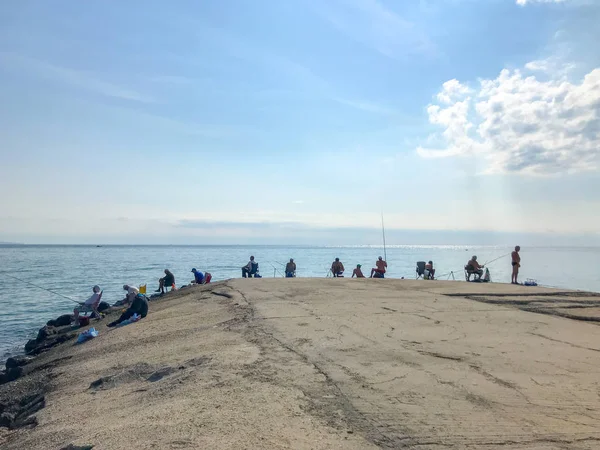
(17, 409)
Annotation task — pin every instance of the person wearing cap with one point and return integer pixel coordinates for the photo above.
(290, 269)
(198, 277)
(380, 268)
(358, 272)
(90, 305)
(337, 268)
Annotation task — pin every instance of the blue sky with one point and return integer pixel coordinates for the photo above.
(299, 121)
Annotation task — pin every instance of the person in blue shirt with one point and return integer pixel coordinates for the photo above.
(198, 277)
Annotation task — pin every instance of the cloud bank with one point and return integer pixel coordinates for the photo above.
(521, 123)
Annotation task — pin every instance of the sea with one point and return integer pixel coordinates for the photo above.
(72, 271)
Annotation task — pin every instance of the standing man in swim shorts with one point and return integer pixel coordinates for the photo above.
(516, 263)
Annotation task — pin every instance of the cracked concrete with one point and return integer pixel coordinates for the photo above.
(332, 363)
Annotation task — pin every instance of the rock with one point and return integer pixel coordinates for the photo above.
(18, 361)
(19, 413)
(34, 347)
(31, 344)
(60, 321)
(10, 374)
(77, 447)
(13, 373)
(46, 332)
(6, 419)
(103, 306)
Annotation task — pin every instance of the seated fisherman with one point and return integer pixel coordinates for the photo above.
(251, 269)
(290, 269)
(90, 305)
(198, 277)
(474, 267)
(429, 270)
(379, 270)
(139, 305)
(337, 268)
(358, 272)
(165, 282)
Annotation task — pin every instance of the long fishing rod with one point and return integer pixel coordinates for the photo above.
(383, 232)
(40, 287)
(499, 257)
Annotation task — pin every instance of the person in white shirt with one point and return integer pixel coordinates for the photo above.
(132, 293)
(90, 305)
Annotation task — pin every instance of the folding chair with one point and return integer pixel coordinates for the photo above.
(470, 271)
(83, 310)
(254, 271)
(420, 269)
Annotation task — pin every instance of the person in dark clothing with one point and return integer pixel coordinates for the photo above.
(139, 306)
(337, 268)
(167, 281)
(251, 269)
(290, 269)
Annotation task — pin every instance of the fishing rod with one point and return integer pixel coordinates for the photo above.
(484, 264)
(275, 270)
(499, 257)
(383, 232)
(43, 288)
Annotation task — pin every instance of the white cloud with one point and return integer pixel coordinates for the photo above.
(554, 66)
(452, 90)
(541, 65)
(520, 124)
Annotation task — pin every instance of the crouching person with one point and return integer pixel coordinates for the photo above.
(138, 306)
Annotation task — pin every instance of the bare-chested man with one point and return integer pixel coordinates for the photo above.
(337, 268)
(516, 263)
(357, 272)
(380, 269)
(473, 266)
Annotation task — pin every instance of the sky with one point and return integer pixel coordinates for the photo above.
(300, 121)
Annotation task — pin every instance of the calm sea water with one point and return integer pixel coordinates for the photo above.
(73, 270)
